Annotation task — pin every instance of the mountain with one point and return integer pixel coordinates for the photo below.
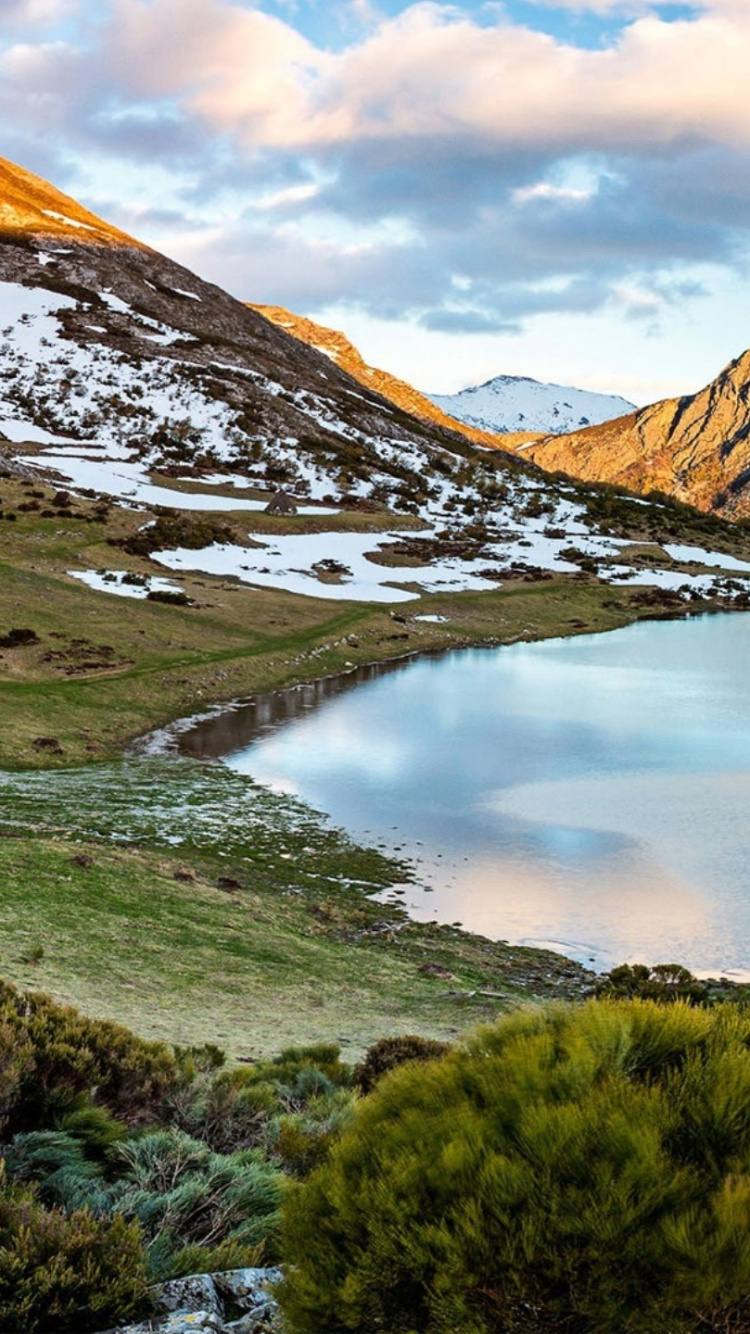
(695, 448)
(130, 377)
(104, 340)
(512, 403)
(337, 346)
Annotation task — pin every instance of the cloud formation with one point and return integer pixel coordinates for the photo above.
(465, 171)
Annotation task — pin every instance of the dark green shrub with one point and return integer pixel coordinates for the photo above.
(584, 1169)
(175, 529)
(664, 982)
(59, 1273)
(18, 638)
(172, 597)
(227, 1111)
(53, 1060)
(387, 1053)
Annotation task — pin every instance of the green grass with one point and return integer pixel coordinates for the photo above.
(279, 962)
(299, 953)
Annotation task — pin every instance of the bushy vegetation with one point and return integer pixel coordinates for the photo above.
(62, 1272)
(386, 1054)
(176, 529)
(52, 1058)
(126, 1162)
(581, 1169)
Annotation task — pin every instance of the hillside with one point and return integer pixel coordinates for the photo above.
(124, 376)
(512, 403)
(30, 206)
(337, 346)
(695, 448)
(109, 342)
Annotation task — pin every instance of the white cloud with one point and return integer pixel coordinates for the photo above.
(432, 71)
(20, 12)
(556, 194)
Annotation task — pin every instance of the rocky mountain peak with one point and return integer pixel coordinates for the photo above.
(696, 448)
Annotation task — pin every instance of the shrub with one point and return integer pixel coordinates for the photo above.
(227, 1111)
(18, 638)
(664, 982)
(59, 1273)
(172, 597)
(53, 1060)
(585, 1169)
(387, 1053)
(184, 1194)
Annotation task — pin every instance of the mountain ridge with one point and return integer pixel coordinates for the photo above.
(695, 447)
(513, 403)
(335, 344)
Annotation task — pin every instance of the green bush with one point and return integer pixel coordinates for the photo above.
(54, 1060)
(387, 1053)
(585, 1169)
(60, 1273)
(183, 1194)
(664, 982)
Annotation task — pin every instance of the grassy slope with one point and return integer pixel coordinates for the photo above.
(253, 970)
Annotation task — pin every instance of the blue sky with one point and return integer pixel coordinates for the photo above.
(557, 188)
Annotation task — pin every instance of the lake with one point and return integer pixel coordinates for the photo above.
(589, 794)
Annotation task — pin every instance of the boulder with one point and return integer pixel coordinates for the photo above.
(236, 1302)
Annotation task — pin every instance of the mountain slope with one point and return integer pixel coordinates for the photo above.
(338, 347)
(511, 403)
(107, 341)
(31, 206)
(696, 448)
(117, 365)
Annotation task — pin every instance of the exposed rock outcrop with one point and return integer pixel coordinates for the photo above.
(696, 448)
(237, 1302)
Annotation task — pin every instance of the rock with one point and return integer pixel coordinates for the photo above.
(236, 1302)
(182, 1322)
(197, 1292)
(247, 1289)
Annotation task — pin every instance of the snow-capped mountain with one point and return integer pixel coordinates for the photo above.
(512, 403)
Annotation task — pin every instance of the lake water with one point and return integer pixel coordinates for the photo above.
(590, 794)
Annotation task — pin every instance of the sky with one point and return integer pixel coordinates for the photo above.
(553, 188)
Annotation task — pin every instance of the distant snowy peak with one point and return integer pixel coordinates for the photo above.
(512, 403)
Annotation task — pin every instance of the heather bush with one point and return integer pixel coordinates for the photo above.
(582, 1169)
(54, 1060)
(62, 1273)
(387, 1053)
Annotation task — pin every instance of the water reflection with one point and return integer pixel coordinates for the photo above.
(592, 792)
